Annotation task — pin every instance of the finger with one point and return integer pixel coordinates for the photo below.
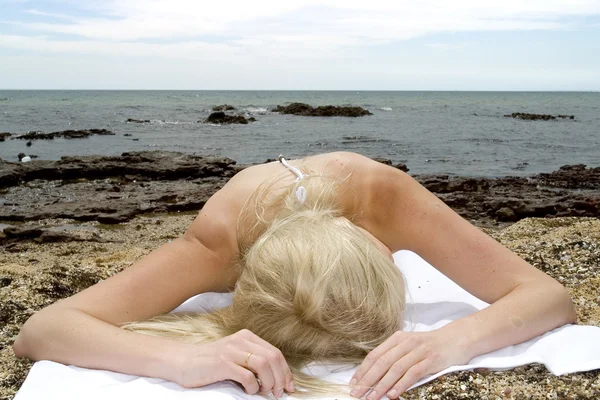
(397, 373)
(375, 354)
(274, 358)
(412, 375)
(257, 365)
(244, 377)
(266, 364)
(380, 368)
(287, 381)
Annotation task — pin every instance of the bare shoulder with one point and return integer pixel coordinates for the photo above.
(403, 214)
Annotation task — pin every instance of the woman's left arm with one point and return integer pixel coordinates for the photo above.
(524, 301)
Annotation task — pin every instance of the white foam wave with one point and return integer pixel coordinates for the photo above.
(385, 108)
(165, 122)
(256, 110)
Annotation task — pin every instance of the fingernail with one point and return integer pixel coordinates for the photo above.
(280, 393)
(392, 394)
(373, 396)
(353, 382)
(354, 392)
(291, 387)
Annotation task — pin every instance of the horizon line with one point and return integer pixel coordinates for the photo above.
(310, 90)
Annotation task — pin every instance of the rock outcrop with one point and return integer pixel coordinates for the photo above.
(110, 189)
(68, 134)
(538, 117)
(223, 107)
(220, 118)
(510, 199)
(322, 111)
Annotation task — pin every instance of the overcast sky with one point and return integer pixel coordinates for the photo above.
(304, 45)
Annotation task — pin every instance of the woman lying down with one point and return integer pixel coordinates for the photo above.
(306, 248)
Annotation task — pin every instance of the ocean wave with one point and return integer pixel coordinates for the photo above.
(167, 122)
(385, 108)
(485, 140)
(256, 110)
(361, 139)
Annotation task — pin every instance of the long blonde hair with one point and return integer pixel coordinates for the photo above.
(311, 284)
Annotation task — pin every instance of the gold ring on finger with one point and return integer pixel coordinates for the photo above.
(247, 359)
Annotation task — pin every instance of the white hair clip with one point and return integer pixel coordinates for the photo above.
(301, 194)
(301, 191)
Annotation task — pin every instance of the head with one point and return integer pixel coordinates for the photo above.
(318, 288)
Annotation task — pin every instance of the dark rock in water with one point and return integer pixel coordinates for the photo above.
(127, 135)
(21, 156)
(29, 143)
(135, 140)
(223, 107)
(537, 117)
(295, 109)
(4, 136)
(68, 134)
(137, 121)
(251, 119)
(221, 118)
(321, 111)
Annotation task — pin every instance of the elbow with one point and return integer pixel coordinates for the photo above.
(22, 345)
(19, 347)
(566, 306)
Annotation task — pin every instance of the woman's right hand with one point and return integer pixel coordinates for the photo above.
(242, 357)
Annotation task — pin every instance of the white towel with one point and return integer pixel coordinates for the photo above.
(432, 301)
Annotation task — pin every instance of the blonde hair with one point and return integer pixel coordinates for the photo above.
(311, 284)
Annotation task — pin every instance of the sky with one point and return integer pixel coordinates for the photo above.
(300, 45)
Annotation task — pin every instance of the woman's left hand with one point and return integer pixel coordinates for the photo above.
(399, 362)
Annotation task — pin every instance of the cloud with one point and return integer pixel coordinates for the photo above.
(286, 38)
(138, 20)
(35, 11)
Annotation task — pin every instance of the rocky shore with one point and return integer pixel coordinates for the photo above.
(114, 189)
(67, 224)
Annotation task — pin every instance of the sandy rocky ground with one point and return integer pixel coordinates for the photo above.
(37, 269)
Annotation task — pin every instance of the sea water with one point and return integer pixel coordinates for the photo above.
(458, 133)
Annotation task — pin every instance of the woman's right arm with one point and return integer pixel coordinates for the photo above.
(83, 329)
